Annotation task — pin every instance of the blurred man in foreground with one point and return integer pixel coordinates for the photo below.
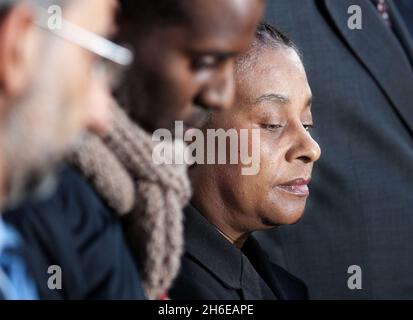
(50, 92)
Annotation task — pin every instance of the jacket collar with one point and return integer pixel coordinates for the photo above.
(231, 265)
(220, 257)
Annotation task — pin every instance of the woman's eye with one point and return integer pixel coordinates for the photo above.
(271, 127)
(308, 127)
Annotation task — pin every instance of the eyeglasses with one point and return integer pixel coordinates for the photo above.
(113, 58)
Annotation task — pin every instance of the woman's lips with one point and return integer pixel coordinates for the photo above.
(298, 187)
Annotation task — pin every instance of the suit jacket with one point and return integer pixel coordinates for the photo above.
(214, 269)
(360, 211)
(405, 8)
(74, 230)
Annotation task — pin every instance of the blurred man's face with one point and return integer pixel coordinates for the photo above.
(184, 69)
(86, 94)
(51, 93)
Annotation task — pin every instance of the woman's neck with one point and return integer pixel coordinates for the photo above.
(216, 213)
(237, 242)
(209, 201)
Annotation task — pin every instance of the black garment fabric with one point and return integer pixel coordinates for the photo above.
(75, 231)
(214, 269)
(405, 7)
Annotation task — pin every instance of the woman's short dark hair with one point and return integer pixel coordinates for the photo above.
(269, 36)
(266, 37)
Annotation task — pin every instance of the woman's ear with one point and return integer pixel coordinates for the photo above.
(17, 51)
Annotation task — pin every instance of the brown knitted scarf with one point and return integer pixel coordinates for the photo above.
(149, 196)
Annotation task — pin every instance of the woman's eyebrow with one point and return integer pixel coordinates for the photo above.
(273, 97)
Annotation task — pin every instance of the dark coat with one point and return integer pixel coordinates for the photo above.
(406, 10)
(214, 269)
(76, 231)
(360, 211)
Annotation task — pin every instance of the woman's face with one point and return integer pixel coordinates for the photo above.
(273, 95)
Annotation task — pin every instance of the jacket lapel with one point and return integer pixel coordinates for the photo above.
(379, 51)
(220, 257)
(263, 266)
(401, 29)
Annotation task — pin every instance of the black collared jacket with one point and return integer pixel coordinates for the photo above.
(74, 230)
(214, 269)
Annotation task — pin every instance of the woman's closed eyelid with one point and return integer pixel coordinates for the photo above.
(271, 126)
(275, 127)
(308, 127)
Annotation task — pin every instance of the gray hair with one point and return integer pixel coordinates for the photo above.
(6, 4)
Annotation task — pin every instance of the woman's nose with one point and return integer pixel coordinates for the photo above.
(304, 147)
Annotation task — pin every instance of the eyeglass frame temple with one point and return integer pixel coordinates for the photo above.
(87, 40)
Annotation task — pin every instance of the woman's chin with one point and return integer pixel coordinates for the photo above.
(284, 218)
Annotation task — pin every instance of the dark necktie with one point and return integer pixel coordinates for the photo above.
(383, 9)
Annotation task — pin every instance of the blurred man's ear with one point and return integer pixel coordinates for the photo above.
(18, 43)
